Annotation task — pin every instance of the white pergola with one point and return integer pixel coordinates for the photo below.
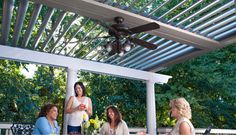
(212, 26)
(74, 65)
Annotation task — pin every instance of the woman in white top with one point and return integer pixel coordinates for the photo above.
(180, 110)
(78, 106)
(115, 124)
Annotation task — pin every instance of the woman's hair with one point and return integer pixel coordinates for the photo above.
(183, 107)
(82, 87)
(45, 109)
(118, 116)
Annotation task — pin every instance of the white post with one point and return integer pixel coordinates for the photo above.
(71, 79)
(151, 108)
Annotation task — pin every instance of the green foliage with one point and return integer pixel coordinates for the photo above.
(208, 83)
(21, 97)
(128, 95)
(201, 81)
(15, 93)
(50, 87)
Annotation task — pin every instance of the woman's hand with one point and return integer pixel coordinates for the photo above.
(82, 107)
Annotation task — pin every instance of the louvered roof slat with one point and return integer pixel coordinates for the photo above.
(6, 20)
(56, 25)
(42, 27)
(19, 21)
(29, 29)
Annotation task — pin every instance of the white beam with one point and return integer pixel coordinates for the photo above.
(106, 13)
(19, 54)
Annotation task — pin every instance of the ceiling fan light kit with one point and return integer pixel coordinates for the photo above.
(124, 40)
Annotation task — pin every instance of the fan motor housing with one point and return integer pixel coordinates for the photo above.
(121, 29)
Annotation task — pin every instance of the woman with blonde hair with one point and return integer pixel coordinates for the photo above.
(181, 111)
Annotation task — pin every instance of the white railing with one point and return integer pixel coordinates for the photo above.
(5, 128)
(199, 131)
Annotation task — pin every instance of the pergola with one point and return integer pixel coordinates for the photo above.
(188, 29)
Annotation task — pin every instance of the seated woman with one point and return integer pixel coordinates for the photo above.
(46, 123)
(115, 124)
(181, 111)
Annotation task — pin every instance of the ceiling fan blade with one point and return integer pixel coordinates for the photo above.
(143, 43)
(145, 27)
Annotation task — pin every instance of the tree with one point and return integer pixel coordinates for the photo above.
(22, 98)
(128, 95)
(15, 94)
(208, 83)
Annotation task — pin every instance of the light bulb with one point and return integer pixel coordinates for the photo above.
(121, 53)
(109, 47)
(99, 48)
(127, 47)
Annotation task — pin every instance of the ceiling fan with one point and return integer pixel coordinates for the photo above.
(123, 36)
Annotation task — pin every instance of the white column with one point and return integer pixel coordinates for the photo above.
(151, 108)
(71, 79)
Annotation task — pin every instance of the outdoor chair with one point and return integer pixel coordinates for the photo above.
(22, 128)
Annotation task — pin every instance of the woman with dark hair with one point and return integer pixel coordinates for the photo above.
(46, 123)
(78, 106)
(115, 124)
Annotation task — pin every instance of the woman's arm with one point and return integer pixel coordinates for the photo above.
(43, 126)
(89, 110)
(103, 129)
(184, 129)
(125, 128)
(69, 108)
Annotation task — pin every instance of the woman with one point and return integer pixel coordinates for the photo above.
(115, 124)
(181, 111)
(78, 106)
(46, 123)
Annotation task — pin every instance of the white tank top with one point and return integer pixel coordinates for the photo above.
(175, 130)
(76, 118)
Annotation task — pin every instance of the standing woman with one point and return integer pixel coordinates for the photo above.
(181, 111)
(46, 123)
(78, 106)
(115, 124)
